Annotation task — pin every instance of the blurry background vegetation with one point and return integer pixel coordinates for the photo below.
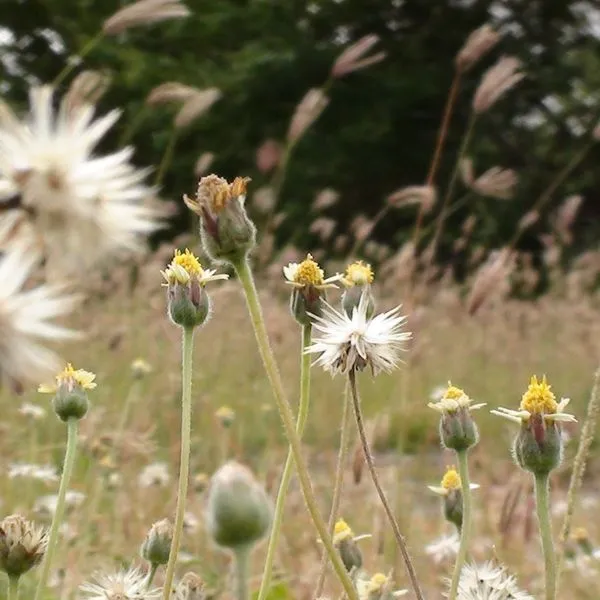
(379, 130)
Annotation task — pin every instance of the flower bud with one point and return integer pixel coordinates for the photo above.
(157, 545)
(239, 512)
(191, 587)
(227, 234)
(70, 392)
(538, 446)
(22, 545)
(358, 279)
(225, 416)
(343, 540)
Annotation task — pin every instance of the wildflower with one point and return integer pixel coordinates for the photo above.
(309, 283)
(22, 545)
(458, 431)
(123, 585)
(157, 545)
(496, 81)
(239, 512)
(154, 475)
(444, 548)
(450, 489)
(479, 43)
(25, 316)
(144, 12)
(47, 504)
(45, 473)
(357, 280)
(538, 445)
(70, 392)
(189, 304)
(225, 416)
(353, 343)
(345, 542)
(27, 409)
(378, 587)
(140, 368)
(227, 233)
(488, 581)
(77, 208)
(190, 587)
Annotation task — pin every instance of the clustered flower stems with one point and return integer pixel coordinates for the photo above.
(542, 503)
(401, 542)
(465, 529)
(184, 467)
(289, 462)
(337, 486)
(69, 463)
(246, 278)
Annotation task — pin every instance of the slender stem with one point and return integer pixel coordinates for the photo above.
(242, 573)
(151, 574)
(245, 275)
(453, 180)
(384, 501)
(289, 463)
(184, 465)
(72, 428)
(81, 55)
(337, 487)
(542, 503)
(13, 588)
(167, 156)
(465, 530)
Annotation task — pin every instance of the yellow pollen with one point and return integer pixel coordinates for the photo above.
(378, 581)
(358, 273)
(188, 261)
(453, 393)
(70, 377)
(309, 272)
(341, 527)
(451, 480)
(538, 398)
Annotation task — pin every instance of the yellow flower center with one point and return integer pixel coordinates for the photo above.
(69, 377)
(378, 581)
(453, 393)
(538, 398)
(216, 192)
(309, 272)
(189, 262)
(358, 273)
(580, 534)
(341, 527)
(451, 480)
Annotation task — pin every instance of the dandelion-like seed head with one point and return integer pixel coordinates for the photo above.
(539, 398)
(358, 274)
(124, 585)
(488, 581)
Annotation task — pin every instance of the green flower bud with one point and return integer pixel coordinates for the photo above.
(538, 446)
(157, 545)
(239, 512)
(343, 540)
(22, 545)
(453, 507)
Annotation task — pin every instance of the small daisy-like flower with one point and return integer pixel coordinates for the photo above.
(378, 587)
(450, 489)
(357, 280)
(47, 504)
(140, 368)
(225, 416)
(22, 545)
(77, 207)
(124, 585)
(27, 409)
(454, 399)
(25, 318)
(488, 581)
(345, 542)
(450, 482)
(69, 379)
(70, 392)
(358, 273)
(154, 475)
(444, 548)
(355, 342)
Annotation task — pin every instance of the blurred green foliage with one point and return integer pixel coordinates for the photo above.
(379, 130)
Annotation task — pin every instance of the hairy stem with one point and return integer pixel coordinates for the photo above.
(184, 464)
(242, 573)
(384, 501)
(465, 530)
(151, 574)
(247, 280)
(542, 503)
(13, 588)
(289, 463)
(72, 432)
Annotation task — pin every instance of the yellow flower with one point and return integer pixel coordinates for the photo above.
(453, 400)
(341, 531)
(225, 416)
(185, 267)
(450, 483)
(69, 378)
(308, 273)
(140, 367)
(358, 273)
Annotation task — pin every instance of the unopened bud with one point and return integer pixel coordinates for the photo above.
(157, 545)
(343, 540)
(239, 512)
(538, 446)
(191, 587)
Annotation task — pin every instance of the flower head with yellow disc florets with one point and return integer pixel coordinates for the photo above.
(357, 280)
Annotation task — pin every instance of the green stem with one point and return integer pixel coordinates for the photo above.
(81, 55)
(167, 157)
(242, 573)
(13, 588)
(401, 542)
(289, 462)
(184, 465)
(337, 487)
(542, 503)
(72, 428)
(151, 574)
(465, 530)
(247, 280)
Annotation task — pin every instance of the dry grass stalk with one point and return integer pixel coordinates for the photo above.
(565, 217)
(528, 219)
(196, 105)
(144, 12)
(268, 155)
(171, 91)
(424, 195)
(353, 58)
(264, 199)
(324, 199)
(87, 88)
(361, 227)
(323, 227)
(479, 43)
(495, 182)
(203, 164)
(488, 279)
(307, 112)
(496, 81)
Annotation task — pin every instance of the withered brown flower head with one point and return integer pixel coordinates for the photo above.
(214, 194)
(22, 545)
